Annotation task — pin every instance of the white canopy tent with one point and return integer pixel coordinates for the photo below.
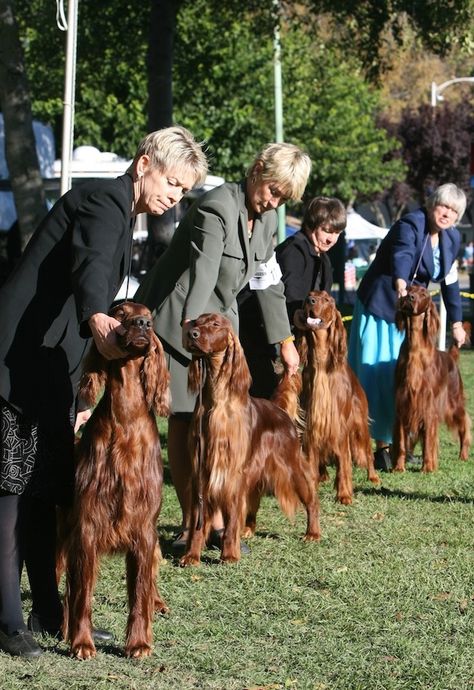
(358, 228)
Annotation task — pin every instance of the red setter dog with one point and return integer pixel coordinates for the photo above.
(428, 385)
(119, 479)
(333, 401)
(241, 446)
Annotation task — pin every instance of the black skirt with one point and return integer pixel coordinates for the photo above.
(36, 458)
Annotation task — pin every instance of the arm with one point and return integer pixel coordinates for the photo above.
(98, 235)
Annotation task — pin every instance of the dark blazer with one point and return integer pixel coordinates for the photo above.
(398, 256)
(303, 270)
(72, 268)
(210, 258)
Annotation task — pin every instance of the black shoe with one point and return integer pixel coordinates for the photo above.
(215, 542)
(414, 461)
(20, 643)
(35, 625)
(178, 545)
(383, 460)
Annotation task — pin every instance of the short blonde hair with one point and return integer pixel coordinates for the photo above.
(286, 165)
(174, 148)
(448, 195)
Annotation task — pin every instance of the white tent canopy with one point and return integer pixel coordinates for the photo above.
(358, 228)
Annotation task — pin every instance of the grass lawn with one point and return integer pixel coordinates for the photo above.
(385, 601)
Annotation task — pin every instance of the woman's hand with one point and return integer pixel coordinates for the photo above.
(81, 419)
(289, 356)
(459, 334)
(104, 331)
(401, 287)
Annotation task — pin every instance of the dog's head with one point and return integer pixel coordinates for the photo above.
(211, 338)
(138, 323)
(208, 334)
(417, 303)
(318, 311)
(320, 319)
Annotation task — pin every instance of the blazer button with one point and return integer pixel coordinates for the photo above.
(222, 309)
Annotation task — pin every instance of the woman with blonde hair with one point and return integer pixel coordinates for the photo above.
(218, 246)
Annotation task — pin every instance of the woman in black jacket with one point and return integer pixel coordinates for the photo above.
(55, 300)
(305, 266)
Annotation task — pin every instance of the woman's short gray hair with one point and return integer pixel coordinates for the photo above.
(174, 149)
(286, 165)
(448, 195)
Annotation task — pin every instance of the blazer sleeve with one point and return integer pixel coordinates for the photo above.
(404, 247)
(98, 234)
(207, 247)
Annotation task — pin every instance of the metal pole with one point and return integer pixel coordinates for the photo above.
(278, 91)
(69, 90)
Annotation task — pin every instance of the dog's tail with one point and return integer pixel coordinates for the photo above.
(454, 352)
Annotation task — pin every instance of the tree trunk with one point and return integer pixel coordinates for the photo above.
(20, 149)
(160, 106)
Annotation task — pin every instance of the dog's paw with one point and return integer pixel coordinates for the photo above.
(137, 651)
(83, 651)
(189, 559)
(345, 500)
(159, 606)
(248, 532)
(312, 536)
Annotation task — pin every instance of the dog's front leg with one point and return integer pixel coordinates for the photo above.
(141, 597)
(343, 482)
(196, 537)
(230, 551)
(399, 445)
(81, 576)
(429, 442)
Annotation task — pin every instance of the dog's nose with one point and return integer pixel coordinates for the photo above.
(142, 322)
(194, 333)
(310, 300)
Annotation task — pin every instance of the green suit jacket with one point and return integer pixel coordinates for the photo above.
(209, 260)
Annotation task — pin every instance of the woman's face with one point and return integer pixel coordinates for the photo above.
(156, 192)
(442, 217)
(322, 239)
(263, 195)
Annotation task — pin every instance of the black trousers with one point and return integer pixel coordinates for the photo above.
(28, 536)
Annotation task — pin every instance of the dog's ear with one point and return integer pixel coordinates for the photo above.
(431, 321)
(196, 374)
(337, 341)
(301, 345)
(95, 372)
(235, 368)
(155, 379)
(399, 320)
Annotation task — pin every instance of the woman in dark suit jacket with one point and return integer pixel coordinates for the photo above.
(419, 248)
(304, 266)
(57, 298)
(216, 249)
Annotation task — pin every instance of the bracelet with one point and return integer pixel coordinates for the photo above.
(290, 339)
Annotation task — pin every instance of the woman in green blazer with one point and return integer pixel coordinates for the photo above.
(218, 246)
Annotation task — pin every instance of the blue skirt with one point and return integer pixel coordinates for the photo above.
(374, 345)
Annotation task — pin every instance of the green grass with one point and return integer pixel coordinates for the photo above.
(385, 601)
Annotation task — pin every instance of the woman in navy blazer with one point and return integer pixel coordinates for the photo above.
(419, 248)
(58, 297)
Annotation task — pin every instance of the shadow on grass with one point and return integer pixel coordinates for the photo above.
(412, 495)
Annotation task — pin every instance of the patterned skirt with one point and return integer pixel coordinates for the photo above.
(34, 458)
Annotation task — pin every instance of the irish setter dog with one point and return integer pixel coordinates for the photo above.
(119, 480)
(333, 401)
(241, 446)
(428, 384)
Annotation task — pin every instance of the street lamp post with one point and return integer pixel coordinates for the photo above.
(436, 96)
